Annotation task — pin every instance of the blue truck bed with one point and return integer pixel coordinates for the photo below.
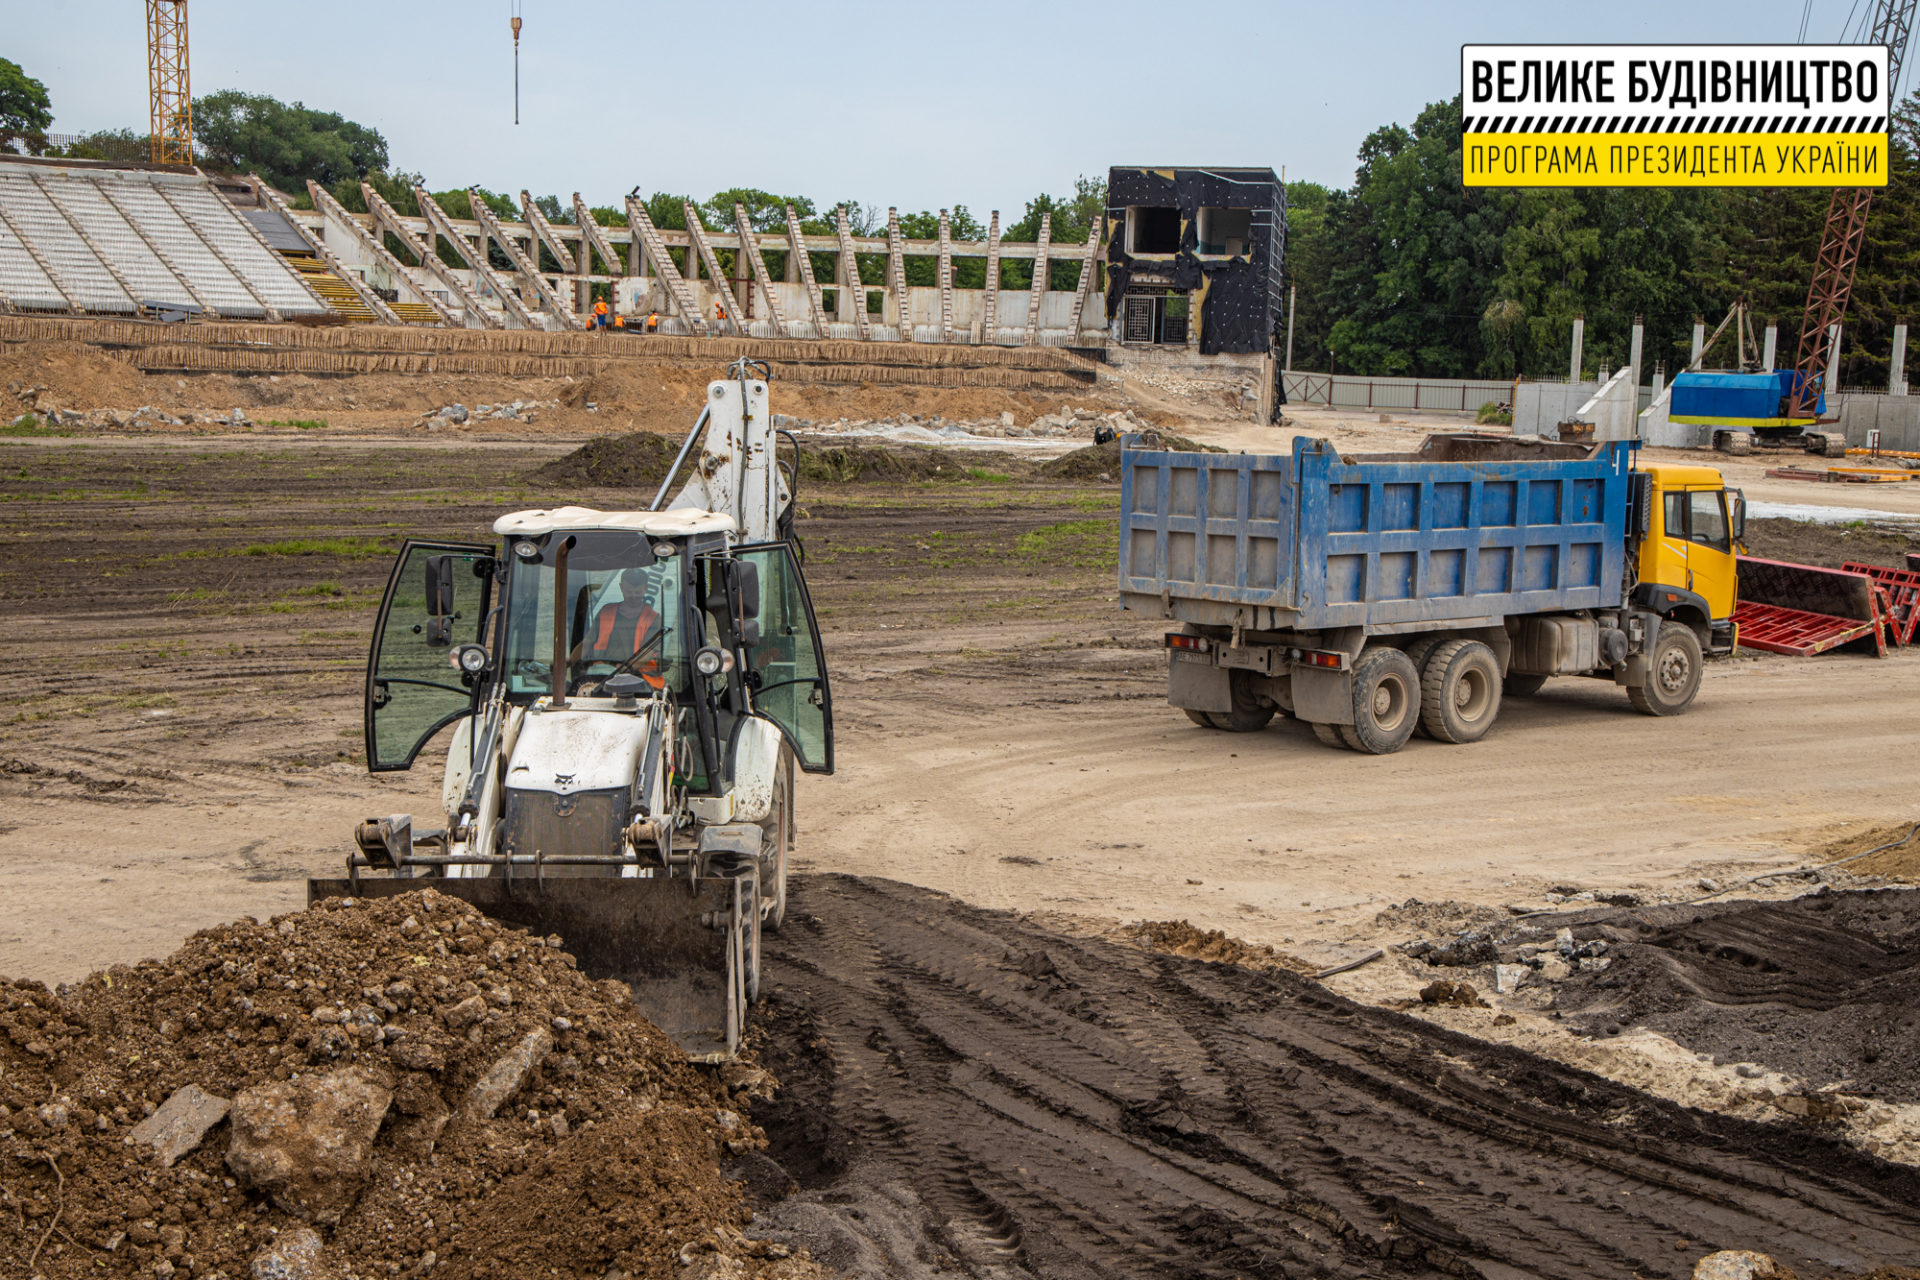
(1469, 530)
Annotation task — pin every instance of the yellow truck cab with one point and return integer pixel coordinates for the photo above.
(1690, 527)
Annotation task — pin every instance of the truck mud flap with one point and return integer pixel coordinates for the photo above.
(683, 946)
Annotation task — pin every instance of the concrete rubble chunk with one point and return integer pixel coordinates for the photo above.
(307, 1143)
(1739, 1264)
(1508, 977)
(295, 1255)
(506, 1076)
(180, 1123)
(465, 1013)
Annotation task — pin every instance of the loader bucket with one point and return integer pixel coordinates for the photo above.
(679, 944)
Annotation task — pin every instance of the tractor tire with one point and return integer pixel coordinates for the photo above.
(1329, 735)
(1521, 684)
(1673, 675)
(1460, 692)
(1420, 649)
(1386, 701)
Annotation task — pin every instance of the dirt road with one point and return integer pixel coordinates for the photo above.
(186, 632)
(963, 1088)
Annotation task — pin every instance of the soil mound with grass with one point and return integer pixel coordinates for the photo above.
(637, 459)
(640, 460)
(1100, 463)
(399, 1086)
(1827, 545)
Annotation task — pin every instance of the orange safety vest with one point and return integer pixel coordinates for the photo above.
(600, 308)
(643, 624)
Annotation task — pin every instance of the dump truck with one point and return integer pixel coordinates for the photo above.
(1381, 595)
(628, 696)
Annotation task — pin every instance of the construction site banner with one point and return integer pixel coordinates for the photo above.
(1790, 115)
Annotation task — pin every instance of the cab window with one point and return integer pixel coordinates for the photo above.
(1707, 520)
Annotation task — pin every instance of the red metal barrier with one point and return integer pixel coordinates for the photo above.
(1774, 629)
(1902, 589)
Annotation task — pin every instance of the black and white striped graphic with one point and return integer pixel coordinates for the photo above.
(1674, 124)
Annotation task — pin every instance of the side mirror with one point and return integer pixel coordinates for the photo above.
(1737, 514)
(746, 584)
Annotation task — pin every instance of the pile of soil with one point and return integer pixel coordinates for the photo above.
(1825, 987)
(880, 464)
(607, 1156)
(1827, 545)
(1101, 462)
(1180, 938)
(635, 460)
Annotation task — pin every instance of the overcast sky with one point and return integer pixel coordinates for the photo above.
(916, 105)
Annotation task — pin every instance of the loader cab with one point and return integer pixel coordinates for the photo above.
(1690, 542)
(719, 633)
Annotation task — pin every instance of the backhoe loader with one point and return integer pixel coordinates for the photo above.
(629, 695)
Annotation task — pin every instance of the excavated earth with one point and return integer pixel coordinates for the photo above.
(965, 1092)
(1825, 988)
(604, 1156)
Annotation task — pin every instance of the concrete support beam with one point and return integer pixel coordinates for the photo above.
(1633, 354)
(476, 260)
(1699, 343)
(1579, 343)
(528, 269)
(336, 215)
(1040, 282)
(749, 244)
(562, 256)
(945, 278)
(678, 295)
(850, 274)
(1833, 365)
(386, 218)
(1897, 369)
(797, 253)
(897, 273)
(992, 289)
(593, 237)
(1772, 341)
(1089, 269)
(697, 232)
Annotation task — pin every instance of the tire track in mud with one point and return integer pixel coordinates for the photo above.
(1072, 1108)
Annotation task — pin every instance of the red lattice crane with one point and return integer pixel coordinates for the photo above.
(1846, 227)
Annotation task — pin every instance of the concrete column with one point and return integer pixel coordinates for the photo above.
(636, 261)
(1897, 371)
(1633, 358)
(793, 267)
(1659, 378)
(1699, 342)
(1833, 366)
(1289, 366)
(1772, 342)
(1579, 341)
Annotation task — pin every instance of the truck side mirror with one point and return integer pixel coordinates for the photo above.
(1737, 514)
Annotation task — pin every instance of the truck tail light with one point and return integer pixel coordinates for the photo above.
(1315, 658)
(1193, 644)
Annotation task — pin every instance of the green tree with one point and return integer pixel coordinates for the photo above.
(285, 144)
(25, 109)
(121, 146)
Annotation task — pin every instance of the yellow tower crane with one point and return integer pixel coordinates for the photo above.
(167, 82)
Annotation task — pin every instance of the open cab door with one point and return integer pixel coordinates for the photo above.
(437, 600)
(789, 668)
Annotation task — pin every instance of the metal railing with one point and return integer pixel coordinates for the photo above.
(1440, 395)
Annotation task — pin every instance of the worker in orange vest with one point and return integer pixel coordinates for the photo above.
(619, 321)
(600, 314)
(653, 322)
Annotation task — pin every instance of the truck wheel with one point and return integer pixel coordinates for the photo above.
(1673, 672)
(1386, 701)
(1460, 692)
(1249, 713)
(1419, 650)
(1329, 735)
(1520, 684)
(1201, 718)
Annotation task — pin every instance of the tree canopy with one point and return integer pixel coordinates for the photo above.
(285, 144)
(25, 110)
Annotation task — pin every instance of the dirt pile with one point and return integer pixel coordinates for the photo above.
(435, 1092)
(1101, 462)
(641, 459)
(1825, 988)
(637, 459)
(1829, 545)
(1179, 938)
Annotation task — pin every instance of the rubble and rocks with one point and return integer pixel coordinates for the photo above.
(915, 428)
(328, 1029)
(459, 415)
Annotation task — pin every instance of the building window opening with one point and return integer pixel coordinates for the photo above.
(1156, 318)
(1153, 229)
(1227, 232)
